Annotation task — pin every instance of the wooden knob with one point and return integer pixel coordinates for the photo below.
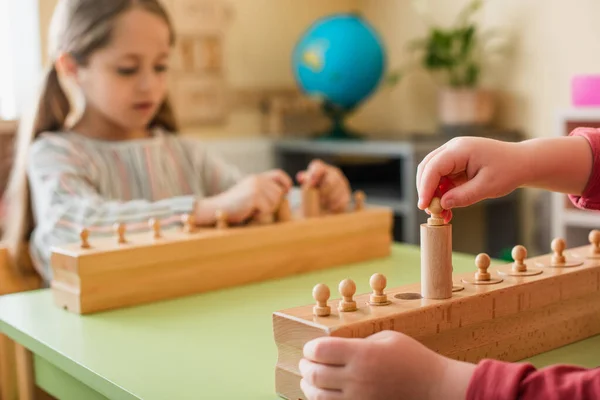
(84, 234)
(435, 208)
(519, 254)
(558, 245)
(154, 224)
(482, 261)
(188, 222)
(347, 289)
(119, 228)
(594, 238)
(359, 200)
(321, 295)
(378, 283)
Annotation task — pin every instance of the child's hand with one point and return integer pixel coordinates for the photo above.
(333, 185)
(476, 169)
(256, 195)
(386, 365)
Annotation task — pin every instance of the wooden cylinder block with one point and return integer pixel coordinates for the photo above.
(311, 201)
(436, 261)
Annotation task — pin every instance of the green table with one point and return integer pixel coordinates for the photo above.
(216, 345)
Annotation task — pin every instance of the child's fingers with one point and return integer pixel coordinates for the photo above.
(447, 215)
(466, 194)
(281, 178)
(330, 183)
(339, 199)
(314, 393)
(424, 163)
(315, 172)
(440, 165)
(329, 350)
(322, 376)
(271, 195)
(300, 176)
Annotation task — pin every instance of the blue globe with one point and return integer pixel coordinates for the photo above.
(340, 59)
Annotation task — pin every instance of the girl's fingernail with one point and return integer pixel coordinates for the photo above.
(449, 204)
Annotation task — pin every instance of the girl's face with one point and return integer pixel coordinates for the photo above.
(126, 81)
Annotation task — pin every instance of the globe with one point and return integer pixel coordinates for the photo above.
(340, 59)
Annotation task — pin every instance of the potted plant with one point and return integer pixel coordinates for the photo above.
(455, 56)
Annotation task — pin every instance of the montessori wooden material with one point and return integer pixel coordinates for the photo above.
(496, 316)
(436, 255)
(128, 269)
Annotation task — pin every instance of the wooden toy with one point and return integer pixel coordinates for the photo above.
(134, 268)
(506, 312)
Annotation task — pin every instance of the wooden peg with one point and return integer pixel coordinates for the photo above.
(154, 224)
(482, 276)
(558, 246)
(120, 230)
(594, 238)
(378, 283)
(347, 290)
(359, 200)
(189, 223)
(321, 294)
(519, 267)
(284, 213)
(84, 234)
(221, 217)
(435, 208)
(519, 254)
(482, 261)
(558, 259)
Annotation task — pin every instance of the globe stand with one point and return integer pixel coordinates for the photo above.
(338, 130)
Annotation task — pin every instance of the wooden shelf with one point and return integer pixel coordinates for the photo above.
(582, 218)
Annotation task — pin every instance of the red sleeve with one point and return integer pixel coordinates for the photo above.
(590, 198)
(498, 380)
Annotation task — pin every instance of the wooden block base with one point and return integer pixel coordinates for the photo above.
(514, 319)
(109, 275)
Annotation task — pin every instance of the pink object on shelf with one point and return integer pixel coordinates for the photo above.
(585, 90)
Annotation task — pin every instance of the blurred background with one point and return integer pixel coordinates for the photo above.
(369, 85)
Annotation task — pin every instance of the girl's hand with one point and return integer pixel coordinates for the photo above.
(386, 365)
(470, 170)
(333, 185)
(254, 196)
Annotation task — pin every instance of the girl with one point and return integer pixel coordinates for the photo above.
(100, 146)
(390, 365)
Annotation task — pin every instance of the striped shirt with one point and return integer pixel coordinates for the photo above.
(81, 182)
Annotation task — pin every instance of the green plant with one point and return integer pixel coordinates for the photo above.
(454, 54)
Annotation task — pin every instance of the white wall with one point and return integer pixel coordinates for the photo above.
(20, 59)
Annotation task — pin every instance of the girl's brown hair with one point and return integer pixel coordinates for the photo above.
(78, 28)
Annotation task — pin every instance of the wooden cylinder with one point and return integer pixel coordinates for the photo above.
(284, 213)
(436, 261)
(311, 201)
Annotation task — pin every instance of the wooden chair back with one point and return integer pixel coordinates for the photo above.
(13, 279)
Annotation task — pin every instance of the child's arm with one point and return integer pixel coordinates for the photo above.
(64, 197)
(502, 380)
(390, 365)
(484, 168)
(227, 189)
